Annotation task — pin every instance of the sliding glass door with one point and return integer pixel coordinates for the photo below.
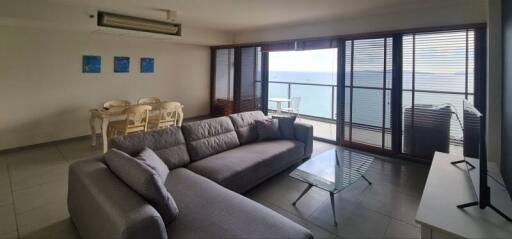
(367, 93)
(304, 83)
(222, 92)
(438, 74)
(397, 93)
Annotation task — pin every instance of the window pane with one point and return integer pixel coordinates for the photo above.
(437, 75)
(310, 78)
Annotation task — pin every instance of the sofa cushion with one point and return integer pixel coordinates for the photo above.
(244, 167)
(143, 180)
(154, 162)
(268, 129)
(207, 210)
(286, 126)
(208, 137)
(245, 125)
(169, 144)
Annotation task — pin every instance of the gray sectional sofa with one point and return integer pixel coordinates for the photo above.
(210, 162)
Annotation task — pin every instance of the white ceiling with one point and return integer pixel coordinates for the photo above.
(232, 15)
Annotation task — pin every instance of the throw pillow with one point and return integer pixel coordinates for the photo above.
(268, 129)
(143, 180)
(286, 126)
(152, 160)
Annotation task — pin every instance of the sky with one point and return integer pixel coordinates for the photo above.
(446, 54)
(313, 60)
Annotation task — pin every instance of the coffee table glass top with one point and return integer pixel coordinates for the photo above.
(333, 170)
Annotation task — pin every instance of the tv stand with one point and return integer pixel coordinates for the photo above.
(448, 186)
(487, 195)
(464, 161)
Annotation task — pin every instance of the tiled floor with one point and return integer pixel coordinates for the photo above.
(33, 188)
(385, 209)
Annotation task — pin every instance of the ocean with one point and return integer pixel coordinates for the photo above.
(317, 100)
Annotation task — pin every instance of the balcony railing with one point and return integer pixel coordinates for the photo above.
(314, 97)
(281, 89)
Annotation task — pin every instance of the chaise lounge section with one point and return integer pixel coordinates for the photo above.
(210, 163)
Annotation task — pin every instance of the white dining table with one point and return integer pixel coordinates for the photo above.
(279, 102)
(116, 113)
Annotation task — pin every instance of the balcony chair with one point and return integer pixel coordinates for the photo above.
(294, 107)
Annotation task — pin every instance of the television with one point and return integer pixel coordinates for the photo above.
(475, 157)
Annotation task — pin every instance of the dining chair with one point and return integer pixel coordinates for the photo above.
(116, 103)
(148, 100)
(136, 121)
(167, 115)
(293, 107)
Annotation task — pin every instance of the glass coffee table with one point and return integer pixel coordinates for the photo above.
(332, 171)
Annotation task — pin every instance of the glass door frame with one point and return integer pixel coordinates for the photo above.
(396, 97)
(397, 79)
(334, 100)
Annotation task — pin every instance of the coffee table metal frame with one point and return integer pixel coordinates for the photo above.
(331, 193)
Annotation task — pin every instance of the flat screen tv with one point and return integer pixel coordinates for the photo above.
(475, 157)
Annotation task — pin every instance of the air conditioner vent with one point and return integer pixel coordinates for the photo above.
(113, 20)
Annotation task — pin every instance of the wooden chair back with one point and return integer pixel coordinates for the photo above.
(116, 103)
(137, 117)
(148, 100)
(168, 114)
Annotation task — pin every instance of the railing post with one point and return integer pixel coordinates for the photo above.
(289, 93)
(332, 102)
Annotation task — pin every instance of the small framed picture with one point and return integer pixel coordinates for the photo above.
(91, 64)
(147, 65)
(121, 64)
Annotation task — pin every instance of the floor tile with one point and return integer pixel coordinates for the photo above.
(283, 190)
(58, 172)
(4, 173)
(317, 231)
(36, 166)
(11, 235)
(77, 149)
(30, 156)
(399, 229)
(7, 220)
(390, 201)
(353, 220)
(62, 229)
(5, 191)
(40, 195)
(43, 220)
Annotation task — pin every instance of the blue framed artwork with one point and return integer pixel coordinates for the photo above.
(121, 64)
(91, 64)
(147, 65)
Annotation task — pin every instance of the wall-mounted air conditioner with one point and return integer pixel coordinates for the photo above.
(113, 20)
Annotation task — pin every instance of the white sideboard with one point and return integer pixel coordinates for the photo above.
(448, 186)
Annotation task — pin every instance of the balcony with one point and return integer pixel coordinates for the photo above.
(318, 108)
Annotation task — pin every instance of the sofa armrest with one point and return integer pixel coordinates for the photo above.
(304, 133)
(102, 206)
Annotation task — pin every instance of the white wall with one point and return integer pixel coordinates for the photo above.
(471, 12)
(44, 95)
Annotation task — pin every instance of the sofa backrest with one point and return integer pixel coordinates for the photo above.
(208, 137)
(245, 125)
(103, 206)
(169, 144)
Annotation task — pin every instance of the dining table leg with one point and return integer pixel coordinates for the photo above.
(93, 130)
(104, 125)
